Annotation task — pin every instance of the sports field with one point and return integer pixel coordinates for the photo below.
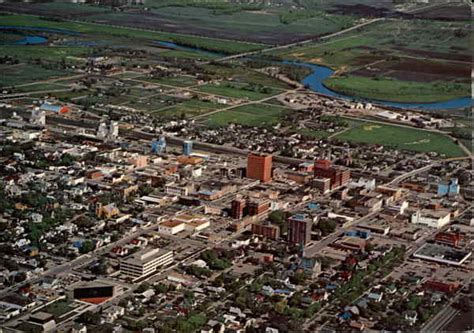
(404, 138)
(257, 115)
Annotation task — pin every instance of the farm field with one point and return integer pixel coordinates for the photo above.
(249, 115)
(386, 59)
(227, 21)
(106, 32)
(397, 90)
(398, 137)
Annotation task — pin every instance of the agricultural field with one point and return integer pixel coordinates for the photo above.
(113, 35)
(257, 115)
(386, 59)
(404, 138)
(214, 19)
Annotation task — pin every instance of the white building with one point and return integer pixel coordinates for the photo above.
(145, 262)
(431, 218)
(171, 227)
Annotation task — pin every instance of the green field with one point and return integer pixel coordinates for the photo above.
(21, 74)
(397, 60)
(404, 138)
(188, 109)
(257, 115)
(397, 90)
(237, 91)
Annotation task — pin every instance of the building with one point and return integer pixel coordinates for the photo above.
(441, 286)
(259, 166)
(431, 218)
(38, 117)
(107, 211)
(266, 230)
(338, 176)
(299, 229)
(60, 109)
(322, 184)
(41, 322)
(187, 147)
(94, 294)
(448, 188)
(442, 254)
(171, 227)
(258, 207)
(238, 208)
(448, 238)
(145, 262)
(158, 146)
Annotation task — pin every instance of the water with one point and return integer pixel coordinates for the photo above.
(315, 82)
(174, 46)
(31, 40)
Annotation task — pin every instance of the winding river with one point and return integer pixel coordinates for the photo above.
(314, 81)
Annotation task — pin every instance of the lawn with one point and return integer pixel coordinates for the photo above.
(397, 90)
(404, 138)
(249, 115)
(176, 81)
(58, 308)
(238, 91)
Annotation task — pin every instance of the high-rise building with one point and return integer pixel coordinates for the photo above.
(338, 176)
(187, 147)
(299, 229)
(238, 208)
(259, 166)
(257, 207)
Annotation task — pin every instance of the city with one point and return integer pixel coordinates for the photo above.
(192, 182)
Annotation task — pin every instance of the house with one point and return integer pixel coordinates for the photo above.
(107, 211)
(411, 317)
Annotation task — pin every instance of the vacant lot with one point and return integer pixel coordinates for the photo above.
(402, 138)
(249, 115)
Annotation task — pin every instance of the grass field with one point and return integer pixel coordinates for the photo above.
(399, 60)
(236, 91)
(21, 74)
(397, 90)
(187, 109)
(257, 115)
(398, 137)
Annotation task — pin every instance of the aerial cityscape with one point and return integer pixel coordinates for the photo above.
(236, 166)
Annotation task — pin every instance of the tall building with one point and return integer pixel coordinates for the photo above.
(338, 176)
(158, 146)
(259, 166)
(238, 208)
(299, 229)
(187, 147)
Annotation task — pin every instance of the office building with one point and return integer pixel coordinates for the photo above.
(338, 176)
(257, 207)
(187, 147)
(238, 208)
(299, 229)
(259, 166)
(266, 230)
(145, 262)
